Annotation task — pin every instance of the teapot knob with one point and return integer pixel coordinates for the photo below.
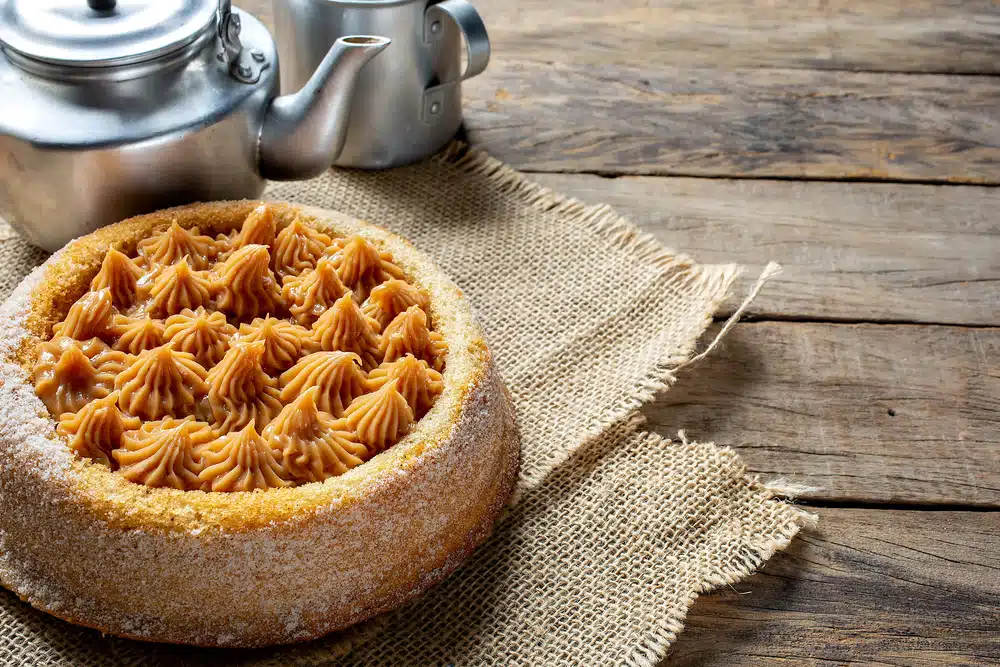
(102, 5)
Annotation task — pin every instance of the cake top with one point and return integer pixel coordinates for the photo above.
(272, 356)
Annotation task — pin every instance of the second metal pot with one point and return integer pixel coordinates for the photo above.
(408, 102)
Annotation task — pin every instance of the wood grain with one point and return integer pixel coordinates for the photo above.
(869, 413)
(850, 251)
(898, 35)
(913, 589)
(660, 119)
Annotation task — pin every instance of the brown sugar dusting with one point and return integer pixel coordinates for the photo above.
(190, 364)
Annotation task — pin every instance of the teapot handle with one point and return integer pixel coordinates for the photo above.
(468, 20)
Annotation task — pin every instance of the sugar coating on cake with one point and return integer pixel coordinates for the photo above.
(273, 356)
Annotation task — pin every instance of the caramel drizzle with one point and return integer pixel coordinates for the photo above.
(309, 295)
(313, 445)
(283, 341)
(391, 298)
(162, 454)
(344, 327)
(337, 376)
(249, 289)
(381, 418)
(419, 384)
(204, 334)
(408, 333)
(90, 317)
(97, 428)
(69, 373)
(160, 383)
(240, 391)
(241, 461)
(119, 274)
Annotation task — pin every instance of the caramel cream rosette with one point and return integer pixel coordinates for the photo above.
(408, 333)
(240, 395)
(204, 334)
(284, 342)
(361, 266)
(160, 383)
(345, 328)
(175, 288)
(337, 376)
(92, 316)
(248, 288)
(119, 274)
(381, 418)
(162, 453)
(297, 248)
(392, 298)
(137, 334)
(241, 461)
(239, 391)
(170, 245)
(69, 373)
(313, 444)
(97, 428)
(259, 228)
(311, 293)
(416, 381)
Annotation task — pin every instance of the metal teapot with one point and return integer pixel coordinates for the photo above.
(112, 109)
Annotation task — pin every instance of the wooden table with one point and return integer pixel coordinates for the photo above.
(857, 143)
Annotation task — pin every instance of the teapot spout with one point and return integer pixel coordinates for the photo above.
(304, 132)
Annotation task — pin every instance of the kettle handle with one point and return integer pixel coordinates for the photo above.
(468, 20)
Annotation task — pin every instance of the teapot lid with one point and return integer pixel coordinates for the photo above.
(101, 33)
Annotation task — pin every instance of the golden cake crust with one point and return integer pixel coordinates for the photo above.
(244, 569)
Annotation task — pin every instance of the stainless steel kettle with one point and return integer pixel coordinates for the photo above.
(112, 109)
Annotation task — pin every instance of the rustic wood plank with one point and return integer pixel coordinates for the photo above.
(944, 36)
(851, 251)
(913, 589)
(660, 119)
(869, 413)
(897, 35)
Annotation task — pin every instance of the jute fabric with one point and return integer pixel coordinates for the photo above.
(613, 531)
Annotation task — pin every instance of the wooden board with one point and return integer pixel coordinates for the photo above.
(661, 119)
(897, 35)
(870, 413)
(850, 251)
(909, 589)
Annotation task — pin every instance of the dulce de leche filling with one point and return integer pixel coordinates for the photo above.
(268, 357)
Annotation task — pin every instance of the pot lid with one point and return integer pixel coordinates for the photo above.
(89, 33)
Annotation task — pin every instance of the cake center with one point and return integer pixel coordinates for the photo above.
(269, 356)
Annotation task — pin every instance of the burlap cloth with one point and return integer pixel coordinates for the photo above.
(613, 531)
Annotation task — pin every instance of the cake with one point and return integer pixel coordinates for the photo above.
(241, 424)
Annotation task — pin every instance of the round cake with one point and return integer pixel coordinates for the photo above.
(242, 424)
